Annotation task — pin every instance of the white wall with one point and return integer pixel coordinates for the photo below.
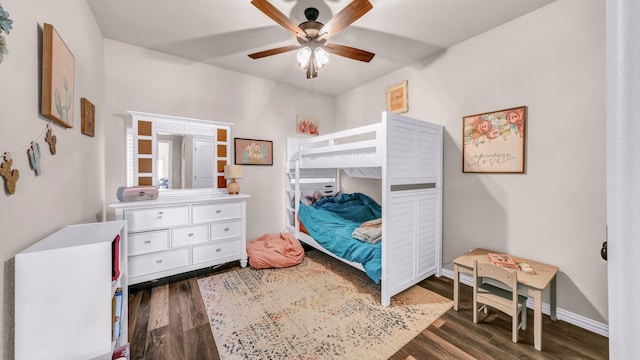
(148, 81)
(69, 189)
(553, 61)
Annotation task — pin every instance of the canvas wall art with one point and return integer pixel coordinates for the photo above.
(398, 98)
(306, 125)
(494, 142)
(58, 66)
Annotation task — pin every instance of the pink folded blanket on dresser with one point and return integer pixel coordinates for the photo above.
(275, 251)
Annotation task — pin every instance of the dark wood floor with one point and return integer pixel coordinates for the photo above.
(167, 320)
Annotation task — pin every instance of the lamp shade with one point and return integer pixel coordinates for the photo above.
(233, 171)
(303, 57)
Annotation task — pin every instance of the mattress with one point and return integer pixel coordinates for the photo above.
(331, 221)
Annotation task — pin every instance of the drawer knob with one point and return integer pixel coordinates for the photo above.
(218, 250)
(226, 229)
(190, 234)
(159, 216)
(147, 242)
(218, 211)
(160, 212)
(159, 261)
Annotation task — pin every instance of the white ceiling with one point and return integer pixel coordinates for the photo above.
(223, 32)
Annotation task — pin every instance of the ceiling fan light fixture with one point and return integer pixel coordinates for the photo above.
(304, 57)
(312, 35)
(321, 58)
(312, 72)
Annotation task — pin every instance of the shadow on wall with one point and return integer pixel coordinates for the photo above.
(472, 214)
(429, 60)
(567, 289)
(8, 313)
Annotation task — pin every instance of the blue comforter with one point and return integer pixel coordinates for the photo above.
(331, 221)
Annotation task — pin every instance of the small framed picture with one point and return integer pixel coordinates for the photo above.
(306, 125)
(88, 116)
(398, 98)
(494, 142)
(253, 152)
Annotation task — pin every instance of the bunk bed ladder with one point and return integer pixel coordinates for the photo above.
(292, 188)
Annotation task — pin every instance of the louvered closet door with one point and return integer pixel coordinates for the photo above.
(411, 237)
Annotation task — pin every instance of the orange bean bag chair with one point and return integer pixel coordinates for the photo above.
(275, 251)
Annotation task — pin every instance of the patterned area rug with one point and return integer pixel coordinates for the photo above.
(319, 309)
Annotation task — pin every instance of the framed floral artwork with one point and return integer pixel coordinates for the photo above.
(253, 152)
(494, 142)
(306, 125)
(57, 78)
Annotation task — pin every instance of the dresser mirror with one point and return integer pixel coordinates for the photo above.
(176, 153)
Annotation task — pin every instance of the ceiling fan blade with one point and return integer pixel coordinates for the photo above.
(344, 18)
(277, 16)
(274, 51)
(349, 52)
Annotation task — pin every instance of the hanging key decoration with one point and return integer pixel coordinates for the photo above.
(51, 139)
(34, 157)
(10, 176)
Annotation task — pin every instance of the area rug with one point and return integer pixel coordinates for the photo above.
(319, 309)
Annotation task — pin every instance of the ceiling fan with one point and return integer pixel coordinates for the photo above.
(313, 35)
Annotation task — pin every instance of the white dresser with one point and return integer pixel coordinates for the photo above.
(178, 233)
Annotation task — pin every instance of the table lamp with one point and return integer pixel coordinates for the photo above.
(233, 172)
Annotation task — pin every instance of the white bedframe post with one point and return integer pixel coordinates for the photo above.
(292, 191)
(297, 196)
(439, 151)
(385, 292)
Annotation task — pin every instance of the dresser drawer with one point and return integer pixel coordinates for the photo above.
(209, 212)
(147, 242)
(225, 230)
(209, 252)
(160, 261)
(189, 235)
(156, 218)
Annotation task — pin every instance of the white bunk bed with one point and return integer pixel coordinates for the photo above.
(406, 154)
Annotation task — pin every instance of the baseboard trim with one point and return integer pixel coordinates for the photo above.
(561, 314)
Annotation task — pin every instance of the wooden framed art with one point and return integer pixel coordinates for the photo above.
(88, 117)
(494, 142)
(398, 98)
(253, 152)
(58, 66)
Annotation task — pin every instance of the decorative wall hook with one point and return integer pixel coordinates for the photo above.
(51, 139)
(34, 157)
(10, 176)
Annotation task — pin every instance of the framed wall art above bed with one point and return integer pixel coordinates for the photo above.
(398, 97)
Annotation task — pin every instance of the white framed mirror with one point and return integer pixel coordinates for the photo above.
(177, 153)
